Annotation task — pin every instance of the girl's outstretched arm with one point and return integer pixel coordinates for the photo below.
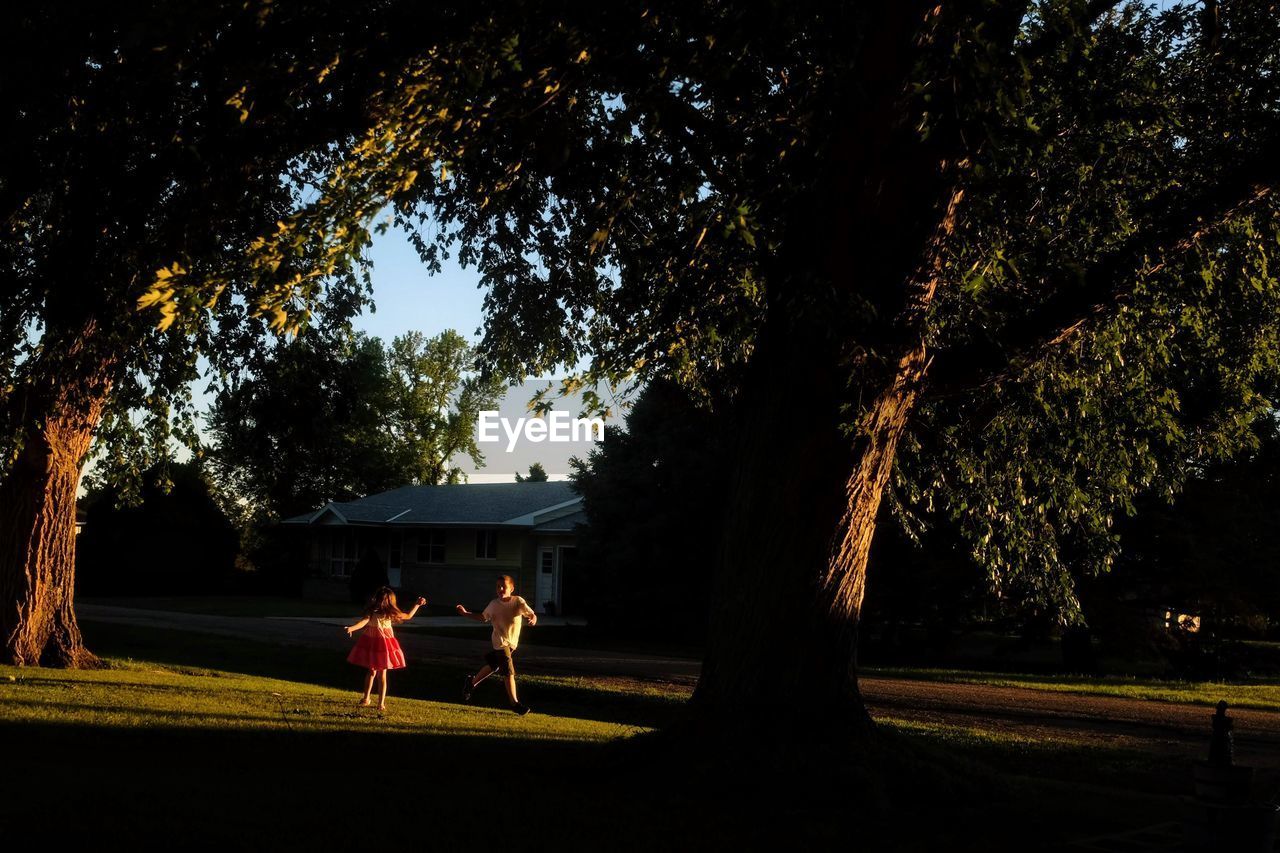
(351, 629)
(412, 610)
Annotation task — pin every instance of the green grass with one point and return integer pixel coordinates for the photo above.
(626, 702)
(252, 744)
(1261, 696)
(1062, 758)
(140, 695)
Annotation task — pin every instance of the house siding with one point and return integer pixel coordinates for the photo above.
(404, 516)
(463, 578)
(460, 549)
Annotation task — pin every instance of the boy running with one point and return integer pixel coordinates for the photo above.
(505, 613)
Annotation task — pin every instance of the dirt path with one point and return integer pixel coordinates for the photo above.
(1146, 725)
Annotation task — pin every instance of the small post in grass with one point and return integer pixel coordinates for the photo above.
(1221, 816)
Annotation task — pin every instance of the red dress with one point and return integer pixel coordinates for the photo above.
(377, 647)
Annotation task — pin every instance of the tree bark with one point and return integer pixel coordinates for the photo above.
(777, 656)
(821, 422)
(782, 649)
(64, 401)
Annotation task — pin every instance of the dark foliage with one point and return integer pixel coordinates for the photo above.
(920, 595)
(653, 495)
(335, 416)
(537, 474)
(1211, 553)
(175, 542)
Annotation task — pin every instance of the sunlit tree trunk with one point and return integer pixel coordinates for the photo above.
(782, 649)
(62, 406)
(817, 437)
(829, 394)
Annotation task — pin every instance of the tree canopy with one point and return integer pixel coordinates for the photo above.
(640, 183)
(176, 541)
(537, 474)
(1009, 261)
(341, 416)
(128, 161)
(654, 497)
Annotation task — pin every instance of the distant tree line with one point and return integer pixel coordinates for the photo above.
(176, 540)
(341, 415)
(654, 497)
(331, 415)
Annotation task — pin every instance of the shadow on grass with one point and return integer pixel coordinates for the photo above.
(292, 789)
(298, 788)
(185, 651)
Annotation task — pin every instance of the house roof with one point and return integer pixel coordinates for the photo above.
(562, 524)
(512, 504)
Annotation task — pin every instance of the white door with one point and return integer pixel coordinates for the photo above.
(548, 588)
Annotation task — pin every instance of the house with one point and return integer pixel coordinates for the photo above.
(448, 543)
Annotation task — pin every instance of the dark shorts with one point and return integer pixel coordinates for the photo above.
(501, 662)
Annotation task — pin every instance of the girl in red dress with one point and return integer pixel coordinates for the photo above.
(377, 650)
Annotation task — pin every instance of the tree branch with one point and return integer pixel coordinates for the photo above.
(1050, 40)
(1081, 297)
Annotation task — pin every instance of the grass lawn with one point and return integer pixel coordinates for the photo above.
(142, 695)
(1263, 696)
(229, 742)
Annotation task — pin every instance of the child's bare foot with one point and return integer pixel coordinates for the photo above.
(382, 709)
(363, 703)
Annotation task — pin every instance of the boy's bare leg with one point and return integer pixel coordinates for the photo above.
(485, 672)
(510, 681)
(368, 688)
(382, 691)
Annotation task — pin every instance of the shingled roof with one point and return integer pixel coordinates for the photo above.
(562, 523)
(505, 504)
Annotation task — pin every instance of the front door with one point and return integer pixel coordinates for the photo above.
(548, 582)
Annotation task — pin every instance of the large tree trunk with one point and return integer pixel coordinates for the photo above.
(830, 392)
(782, 650)
(63, 405)
(828, 396)
(815, 455)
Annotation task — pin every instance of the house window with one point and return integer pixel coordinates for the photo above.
(431, 546)
(343, 554)
(486, 544)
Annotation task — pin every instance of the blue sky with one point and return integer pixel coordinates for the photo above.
(408, 298)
